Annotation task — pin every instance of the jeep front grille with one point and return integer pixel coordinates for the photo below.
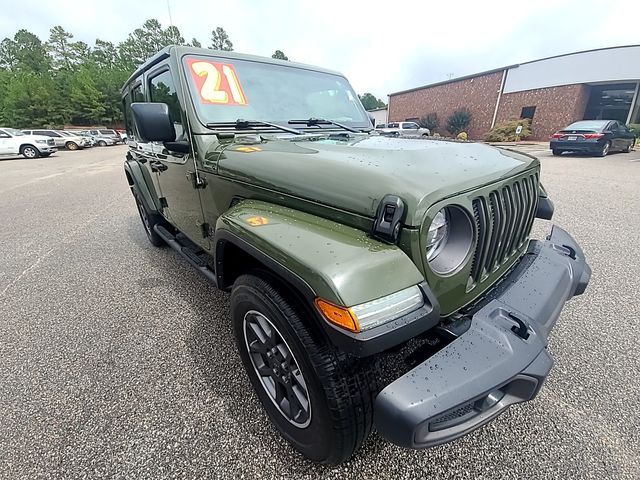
(503, 220)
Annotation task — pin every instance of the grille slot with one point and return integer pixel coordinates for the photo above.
(503, 220)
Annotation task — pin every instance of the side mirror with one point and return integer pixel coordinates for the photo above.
(153, 122)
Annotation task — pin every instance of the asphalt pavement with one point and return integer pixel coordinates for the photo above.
(117, 360)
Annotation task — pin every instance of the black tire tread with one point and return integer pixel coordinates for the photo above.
(350, 384)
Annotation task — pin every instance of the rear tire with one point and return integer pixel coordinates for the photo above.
(556, 152)
(605, 149)
(149, 220)
(332, 395)
(102, 143)
(29, 151)
(71, 146)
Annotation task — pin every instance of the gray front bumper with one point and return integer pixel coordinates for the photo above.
(490, 366)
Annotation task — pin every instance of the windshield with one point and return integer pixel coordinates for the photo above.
(14, 132)
(66, 134)
(588, 125)
(225, 90)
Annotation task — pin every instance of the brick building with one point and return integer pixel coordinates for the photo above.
(553, 92)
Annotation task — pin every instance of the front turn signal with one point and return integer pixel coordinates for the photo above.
(340, 316)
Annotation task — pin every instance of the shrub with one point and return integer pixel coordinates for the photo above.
(506, 131)
(636, 128)
(462, 136)
(458, 121)
(430, 121)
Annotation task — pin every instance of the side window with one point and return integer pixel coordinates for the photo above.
(528, 112)
(613, 126)
(410, 126)
(4, 134)
(41, 132)
(162, 90)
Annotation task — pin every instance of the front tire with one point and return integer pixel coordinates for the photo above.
(29, 151)
(629, 147)
(320, 400)
(102, 143)
(71, 146)
(556, 152)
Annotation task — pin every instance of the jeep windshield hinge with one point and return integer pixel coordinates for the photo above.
(387, 224)
(196, 180)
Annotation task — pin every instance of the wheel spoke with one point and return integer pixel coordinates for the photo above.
(277, 368)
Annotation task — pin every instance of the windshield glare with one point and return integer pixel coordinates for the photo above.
(587, 125)
(14, 132)
(225, 90)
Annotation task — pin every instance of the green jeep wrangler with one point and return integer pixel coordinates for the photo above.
(340, 245)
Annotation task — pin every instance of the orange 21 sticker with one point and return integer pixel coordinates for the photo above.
(217, 83)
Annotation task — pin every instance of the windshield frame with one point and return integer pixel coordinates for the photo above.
(191, 94)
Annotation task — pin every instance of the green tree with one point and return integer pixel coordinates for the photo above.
(370, 102)
(105, 55)
(220, 40)
(279, 54)
(59, 48)
(88, 101)
(27, 100)
(24, 53)
(172, 36)
(195, 43)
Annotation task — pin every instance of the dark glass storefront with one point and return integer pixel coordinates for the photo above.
(610, 102)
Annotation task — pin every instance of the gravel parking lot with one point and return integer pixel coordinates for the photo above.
(118, 360)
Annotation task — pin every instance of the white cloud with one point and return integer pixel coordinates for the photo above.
(381, 46)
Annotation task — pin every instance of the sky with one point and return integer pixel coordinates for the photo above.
(382, 47)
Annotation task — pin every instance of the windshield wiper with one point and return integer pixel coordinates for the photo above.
(241, 124)
(310, 122)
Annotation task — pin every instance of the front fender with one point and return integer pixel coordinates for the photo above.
(339, 263)
(321, 258)
(138, 178)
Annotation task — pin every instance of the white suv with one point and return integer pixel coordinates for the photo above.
(14, 142)
(404, 129)
(63, 139)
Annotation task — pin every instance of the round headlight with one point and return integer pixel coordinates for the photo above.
(437, 235)
(449, 240)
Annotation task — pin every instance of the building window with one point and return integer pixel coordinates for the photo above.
(610, 102)
(528, 112)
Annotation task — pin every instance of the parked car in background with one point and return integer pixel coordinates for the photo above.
(404, 129)
(106, 132)
(81, 140)
(70, 142)
(99, 139)
(598, 137)
(91, 139)
(14, 142)
(123, 135)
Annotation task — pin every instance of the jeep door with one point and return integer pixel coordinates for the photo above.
(175, 170)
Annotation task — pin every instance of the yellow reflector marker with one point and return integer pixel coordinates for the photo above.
(248, 149)
(340, 316)
(256, 221)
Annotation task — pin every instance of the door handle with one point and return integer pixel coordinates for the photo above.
(157, 166)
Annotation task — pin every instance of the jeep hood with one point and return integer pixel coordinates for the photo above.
(355, 173)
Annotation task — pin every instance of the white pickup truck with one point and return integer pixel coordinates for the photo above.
(403, 129)
(14, 142)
